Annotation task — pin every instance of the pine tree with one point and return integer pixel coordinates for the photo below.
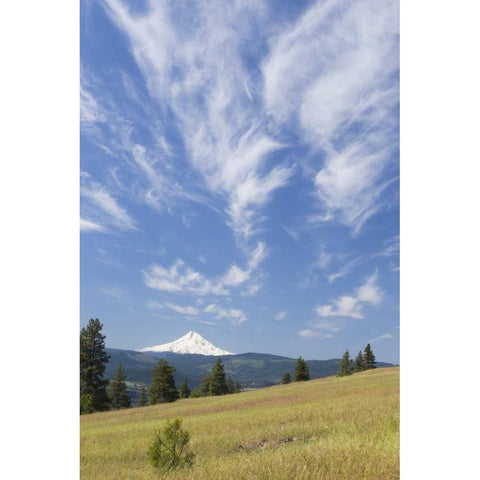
(117, 390)
(238, 388)
(162, 389)
(230, 385)
(204, 387)
(301, 372)
(196, 393)
(359, 363)
(93, 360)
(287, 378)
(369, 358)
(184, 390)
(142, 398)
(345, 365)
(218, 384)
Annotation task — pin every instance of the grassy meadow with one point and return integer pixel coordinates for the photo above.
(331, 428)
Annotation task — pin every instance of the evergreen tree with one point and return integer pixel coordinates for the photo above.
(196, 393)
(163, 388)
(142, 398)
(93, 360)
(204, 387)
(359, 363)
(184, 390)
(369, 358)
(117, 390)
(230, 385)
(345, 365)
(238, 388)
(287, 378)
(301, 372)
(218, 384)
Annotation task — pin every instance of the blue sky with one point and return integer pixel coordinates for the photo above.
(239, 174)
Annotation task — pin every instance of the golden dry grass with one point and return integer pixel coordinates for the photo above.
(332, 428)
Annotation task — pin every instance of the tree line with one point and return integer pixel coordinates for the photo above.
(363, 361)
(99, 394)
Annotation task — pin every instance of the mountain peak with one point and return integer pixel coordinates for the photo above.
(192, 342)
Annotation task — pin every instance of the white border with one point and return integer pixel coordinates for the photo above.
(39, 52)
(439, 248)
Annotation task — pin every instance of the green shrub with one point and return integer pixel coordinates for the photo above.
(169, 449)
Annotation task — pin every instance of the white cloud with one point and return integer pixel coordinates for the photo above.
(184, 310)
(345, 306)
(102, 207)
(225, 134)
(236, 276)
(112, 291)
(181, 278)
(328, 326)
(334, 75)
(352, 305)
(89, 226)
(314, 334)
(281, 315)
(90, 111)
(381, 337)
(293, 233)
(324, 258)
(345, 269)
(391, 247)
(369, 292)
(236, 316)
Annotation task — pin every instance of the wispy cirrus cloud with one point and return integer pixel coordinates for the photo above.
(334, 74)
(391, 247)
(236, 316)
(198, 72)
(101, 210)
(183, 309)
(281, 315)
(352, 305)
(236, 276)
(89, 226)
(308, 333)
(112, 291)
(385, 336)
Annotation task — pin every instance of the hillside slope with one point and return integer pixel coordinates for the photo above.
(330, 428)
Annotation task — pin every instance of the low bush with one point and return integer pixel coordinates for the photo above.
(169, 449)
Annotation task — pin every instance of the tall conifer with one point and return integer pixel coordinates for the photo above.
(301, 372)
(184, 390)
(369, 358)
(230, 385)
(117, 390)
(359, 363)
(345, 365)
(142, 397)
(163, 388)
(218, 384)
(93, 360)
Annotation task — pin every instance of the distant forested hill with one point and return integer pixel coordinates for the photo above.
(252, 370)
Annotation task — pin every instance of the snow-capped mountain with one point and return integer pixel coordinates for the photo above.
(192, 342)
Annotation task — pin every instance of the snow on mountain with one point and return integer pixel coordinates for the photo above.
(192, 342)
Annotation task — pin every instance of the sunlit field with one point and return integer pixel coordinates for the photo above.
(332, 428)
